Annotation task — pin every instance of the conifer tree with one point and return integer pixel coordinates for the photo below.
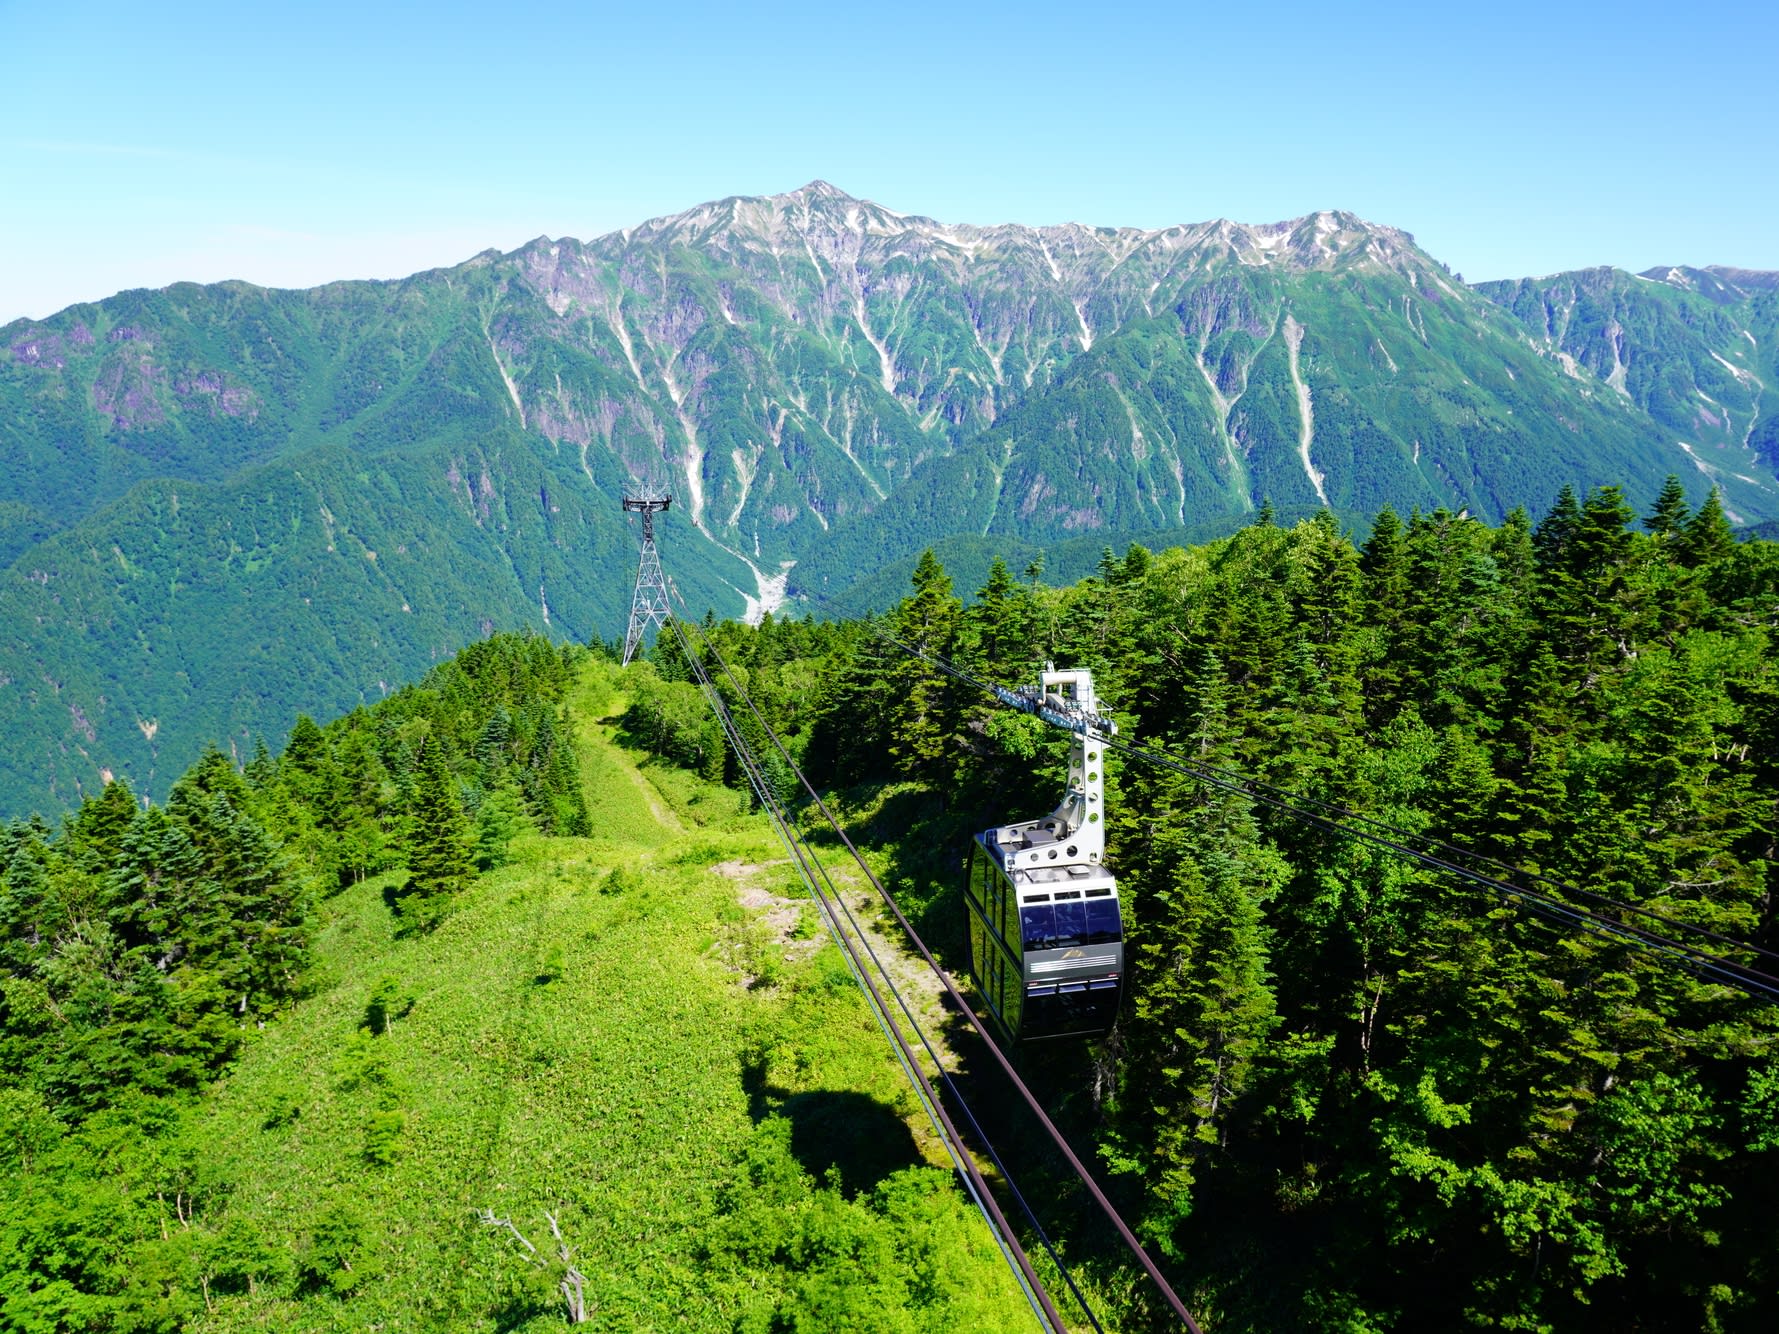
(1384, 564)
(211, 774)
(1382, 560)
(1707, 536)
(501, 819)
(310, 773)
(28, 920)
(1328, 599)
(1196, 874)
(151, 891)
(995, 639)
(361, 842)
(1670, 514)
(1552, 538)
(921, 700)
(243, 917)
(96, 833)
(1537, 738)
(1453, 618)
(851, 729)
(438, 844)
(262, 770)
(1514, 551)
(563, 781)
(494, 745)
(1595, 608)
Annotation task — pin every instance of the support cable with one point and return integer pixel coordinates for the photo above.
(913, 1022)
(1056, 1136)
(963, 1104)
(758, 782)
(948, 1133)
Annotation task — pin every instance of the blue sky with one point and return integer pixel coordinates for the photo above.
(292, 144)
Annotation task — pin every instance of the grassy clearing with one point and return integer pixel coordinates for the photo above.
(601, 1030)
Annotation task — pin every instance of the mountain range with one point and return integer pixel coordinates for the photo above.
(224, 504)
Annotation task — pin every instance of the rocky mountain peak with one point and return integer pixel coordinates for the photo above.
(1715, 282)
(817, 191)
(825, 223)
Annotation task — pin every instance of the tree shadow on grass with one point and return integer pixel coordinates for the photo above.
(519, 1310)
(858, 1138)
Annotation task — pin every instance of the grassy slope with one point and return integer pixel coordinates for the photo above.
(618, 1093)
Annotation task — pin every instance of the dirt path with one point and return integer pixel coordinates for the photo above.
(917, 984)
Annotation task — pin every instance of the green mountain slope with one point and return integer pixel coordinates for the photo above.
(1693, 349)
(643, 1033)
(580, 1042)
(824, 384)
(315, 583)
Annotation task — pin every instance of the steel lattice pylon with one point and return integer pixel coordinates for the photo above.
(649, 606)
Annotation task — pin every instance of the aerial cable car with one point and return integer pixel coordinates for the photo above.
(1046, 936)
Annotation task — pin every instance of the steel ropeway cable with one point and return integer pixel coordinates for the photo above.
(1126, 1235)
(804, 857)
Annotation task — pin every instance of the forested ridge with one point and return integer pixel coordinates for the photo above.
(1345, 1091)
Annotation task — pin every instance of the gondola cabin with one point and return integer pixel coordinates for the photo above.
(1046, 936)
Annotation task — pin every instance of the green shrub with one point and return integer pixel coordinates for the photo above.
(382, 1137)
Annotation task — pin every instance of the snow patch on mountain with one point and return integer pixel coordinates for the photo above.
(506, 378)
(1306, 429)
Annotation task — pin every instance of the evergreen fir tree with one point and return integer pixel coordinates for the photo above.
(1556, 531)
(1707, 536)
(308, 769)
(362, 841)
(96, 833)
(28, 920)
(1326, 692)
(1196, 874)
(1382, 555)
(921, 699)
(1384, 563)
(564, 784)
(262, 770)
(1514, 552)
(211, 774)
(501, 819)
(150, 892)
(996, 631)
(438, 843)
(494, 745)
(1670, 515)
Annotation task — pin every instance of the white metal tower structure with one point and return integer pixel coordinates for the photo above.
(648, 608)
(1065, 699)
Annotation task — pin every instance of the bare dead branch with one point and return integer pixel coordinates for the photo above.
(573, 1284)
(489, 1220)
